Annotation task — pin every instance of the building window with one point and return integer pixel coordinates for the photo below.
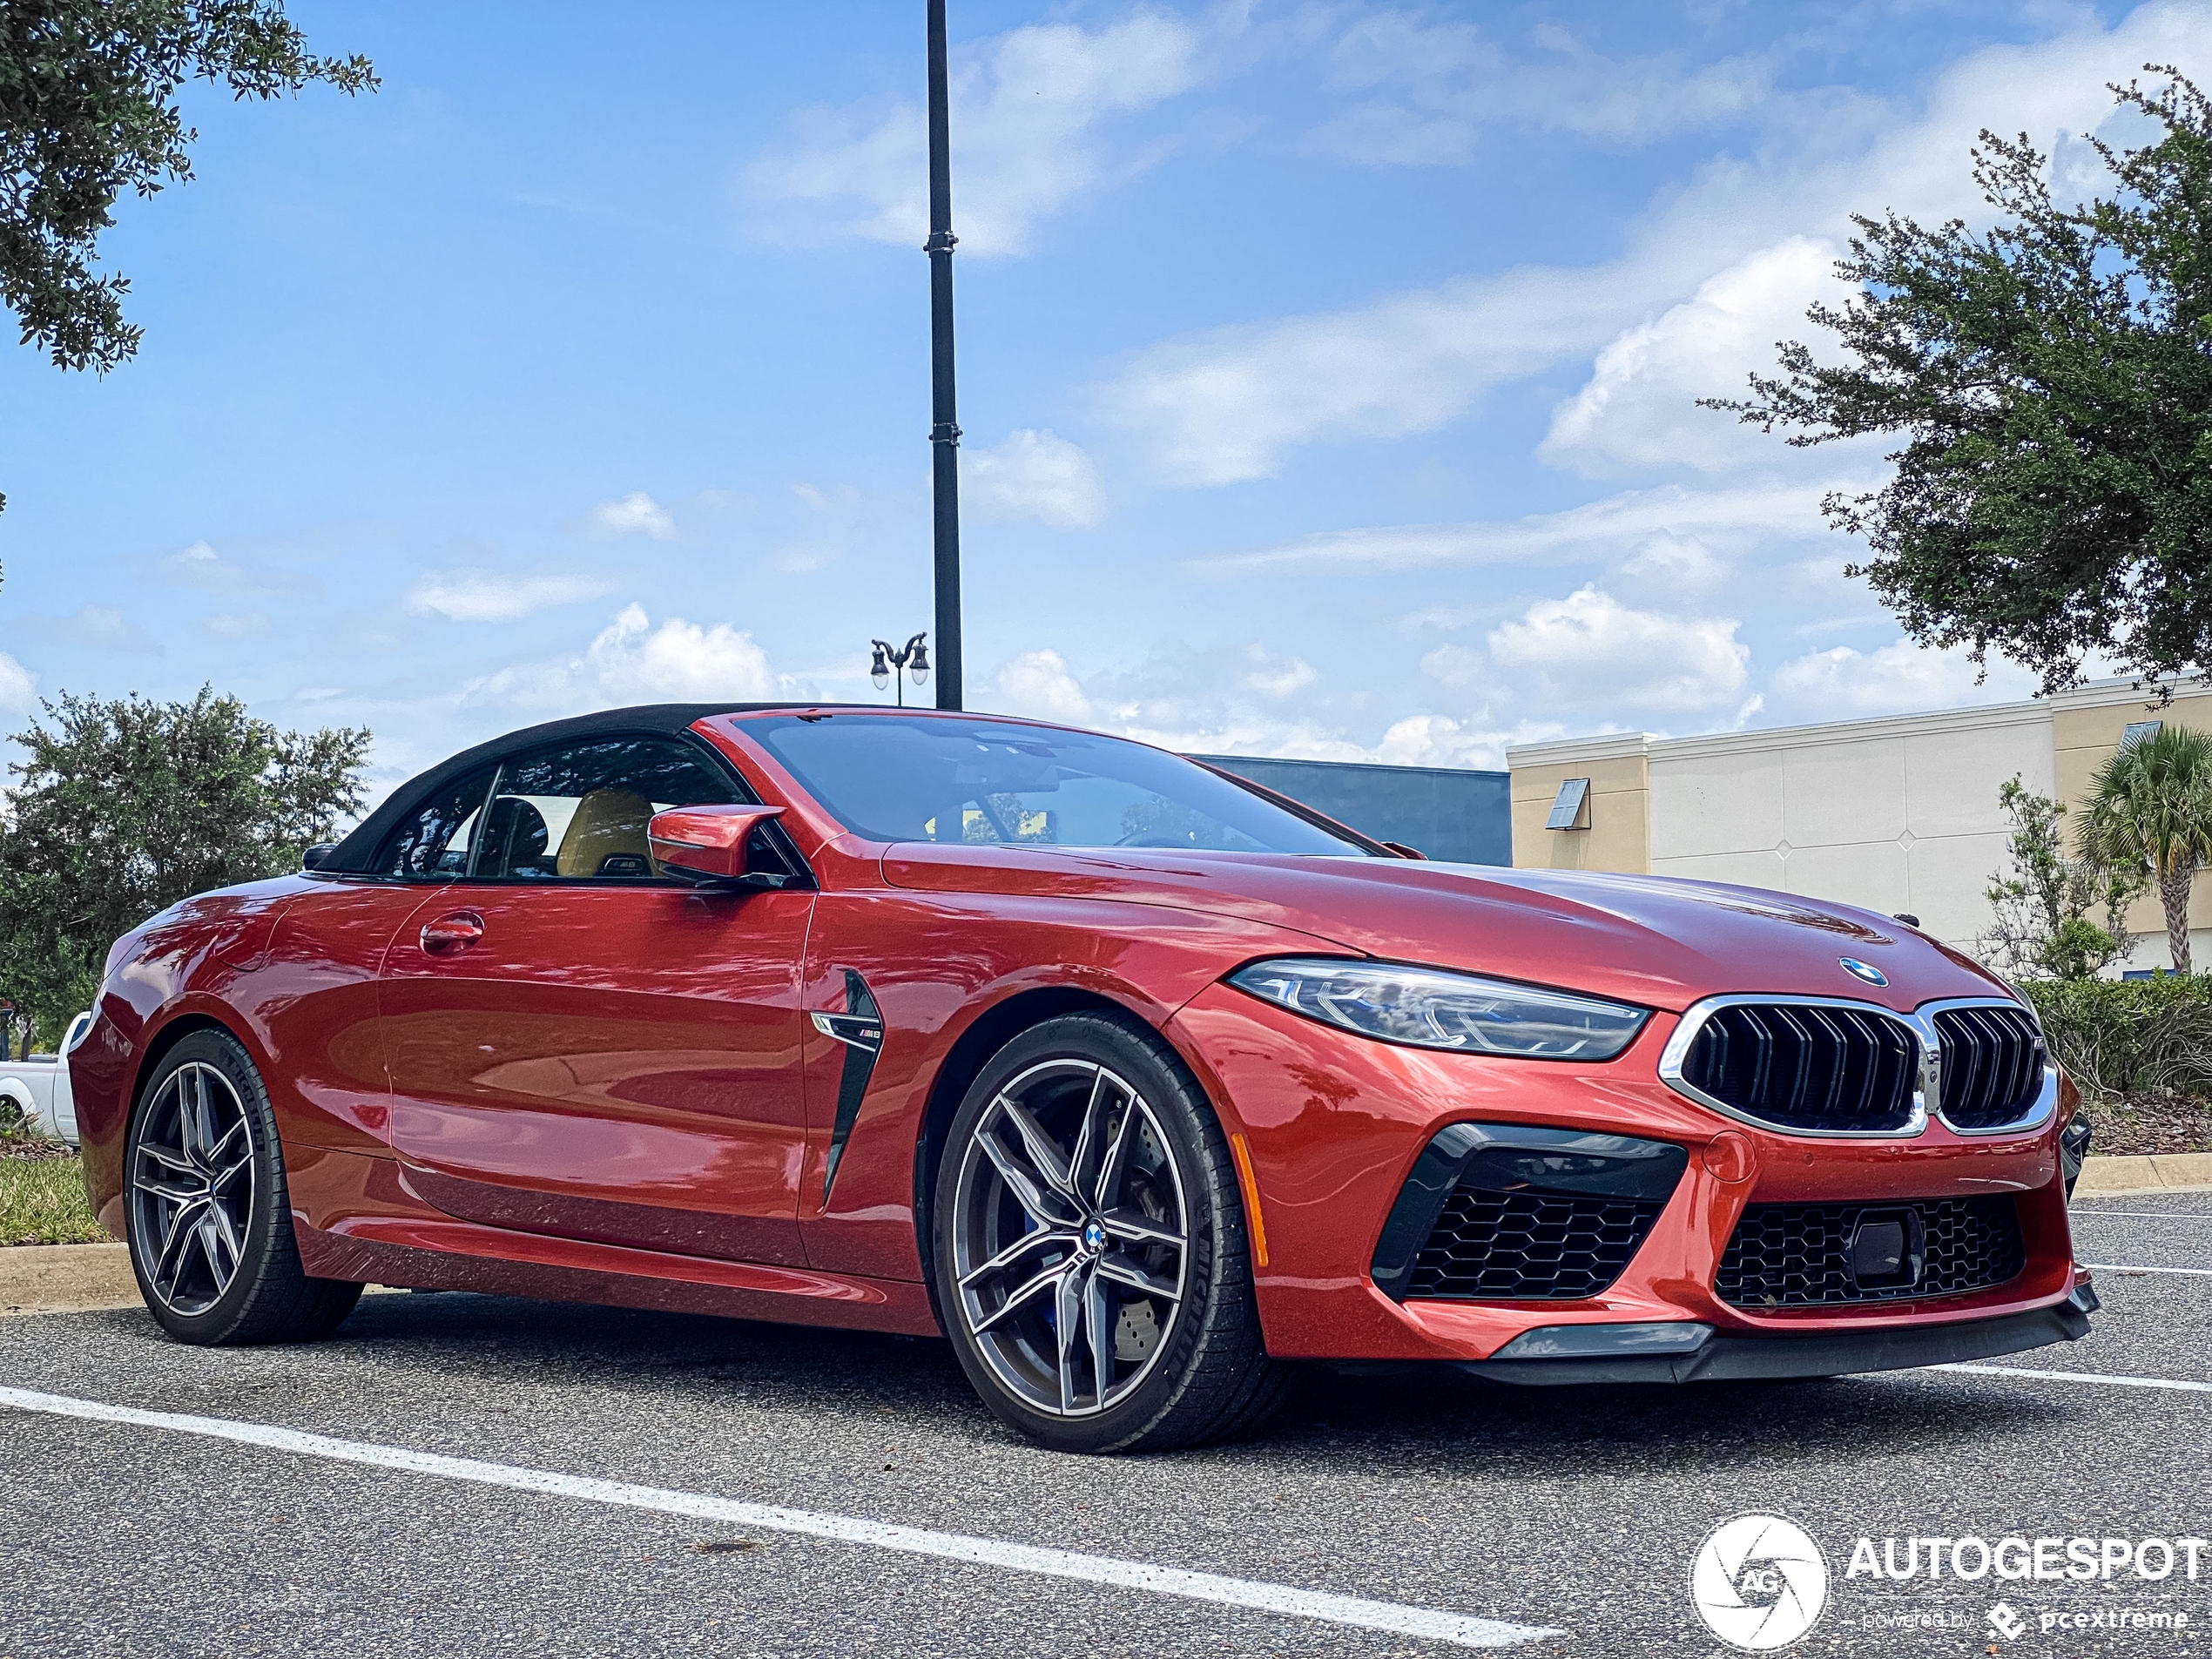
(1571, 807)
(2136, 731)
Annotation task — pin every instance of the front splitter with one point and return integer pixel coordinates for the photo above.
(1826, 1353)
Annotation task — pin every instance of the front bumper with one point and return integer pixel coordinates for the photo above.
(1550, 1356)
(1336, 1125)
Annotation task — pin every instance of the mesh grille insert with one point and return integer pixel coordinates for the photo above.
(1529, 1245)
(1799, 1255)
(1993, 1066)
(1815, 1069)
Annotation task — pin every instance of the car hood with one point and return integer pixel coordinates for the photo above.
(1657, 941)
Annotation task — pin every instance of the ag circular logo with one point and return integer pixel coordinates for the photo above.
(1759, 1583)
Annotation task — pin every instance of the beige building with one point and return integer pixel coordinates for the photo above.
(1893, 815)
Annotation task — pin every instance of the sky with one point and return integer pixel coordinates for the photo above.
(1328, 367)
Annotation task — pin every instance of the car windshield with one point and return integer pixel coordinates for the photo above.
(916, 778)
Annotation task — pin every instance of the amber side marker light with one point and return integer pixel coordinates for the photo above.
(1251, 1195)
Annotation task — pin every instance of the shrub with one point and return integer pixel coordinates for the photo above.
(2129, 1036)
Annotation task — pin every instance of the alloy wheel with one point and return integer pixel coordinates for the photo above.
(192, 1188)
(1070, 1236)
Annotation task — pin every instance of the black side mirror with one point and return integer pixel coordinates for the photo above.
(312, 858)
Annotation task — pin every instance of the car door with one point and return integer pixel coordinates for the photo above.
(580, 1047)
(315, 991)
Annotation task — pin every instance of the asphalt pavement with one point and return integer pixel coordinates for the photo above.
(1572, 1511)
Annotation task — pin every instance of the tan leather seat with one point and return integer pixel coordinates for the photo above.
(607, 821)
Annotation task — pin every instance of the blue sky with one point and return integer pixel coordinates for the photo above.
(1327, 369)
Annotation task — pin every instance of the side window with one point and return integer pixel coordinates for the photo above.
(578, 813)
(434, 842)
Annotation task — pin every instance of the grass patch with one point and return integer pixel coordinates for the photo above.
(42, 1202)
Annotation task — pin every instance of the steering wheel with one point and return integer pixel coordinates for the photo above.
(1153, 840)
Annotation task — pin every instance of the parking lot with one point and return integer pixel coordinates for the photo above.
(1457, 1514)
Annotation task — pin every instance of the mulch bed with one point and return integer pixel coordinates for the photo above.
(2137, 1123)
(33, 1149)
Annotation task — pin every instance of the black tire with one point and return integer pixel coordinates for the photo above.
(1207, 1376)
(194, 1200)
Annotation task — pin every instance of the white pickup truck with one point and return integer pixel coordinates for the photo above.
(38, 1085)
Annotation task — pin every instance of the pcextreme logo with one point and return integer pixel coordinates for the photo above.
(1759, 1583)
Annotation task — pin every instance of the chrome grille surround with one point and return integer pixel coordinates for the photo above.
(1920, 1024)
(2040, 1107)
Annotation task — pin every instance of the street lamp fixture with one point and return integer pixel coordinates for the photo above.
(910, 662)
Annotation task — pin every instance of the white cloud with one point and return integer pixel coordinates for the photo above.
(1433, 88)
(1638, 409)
(1588, 650)
(1901, 677)
(498, 596)
(1030, 113)
(200, 566)
(631, 661)
(105, 628)
(236, 624)
(1668, 567)
(1227, 405)
(1039, 683)
(1276, 677)
(635, 513)
(1242, 699)
(1237, 698)
(1441, 740)
(1033, 475)
(1600, 531)
(18, 687)
(798, 557)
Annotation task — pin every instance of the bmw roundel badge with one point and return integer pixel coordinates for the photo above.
(1866, 971)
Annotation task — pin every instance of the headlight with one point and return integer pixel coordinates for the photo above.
(1430, 1008)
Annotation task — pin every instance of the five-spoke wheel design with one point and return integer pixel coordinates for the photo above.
(192, 1188)
(1070, 1236)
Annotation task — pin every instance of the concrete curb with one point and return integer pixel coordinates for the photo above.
(58, 1278)
(72, 1278)
(2157, 1172)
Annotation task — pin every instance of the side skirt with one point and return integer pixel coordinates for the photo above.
(462, 1255)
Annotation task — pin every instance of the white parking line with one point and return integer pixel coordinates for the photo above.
(2126, 1267)
(2079, 1376)
(1395, 1617)
(2143, 1215)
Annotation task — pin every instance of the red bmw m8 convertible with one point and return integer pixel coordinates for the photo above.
(1131, 1080)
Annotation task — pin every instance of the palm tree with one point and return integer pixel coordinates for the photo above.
(2150, 812)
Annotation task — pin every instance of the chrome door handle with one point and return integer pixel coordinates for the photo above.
(456, 931)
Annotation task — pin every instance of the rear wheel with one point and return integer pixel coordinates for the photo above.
(1089, 1246)
(207, 1214)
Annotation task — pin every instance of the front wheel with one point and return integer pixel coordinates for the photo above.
(1089, 1246)
(206, 1212)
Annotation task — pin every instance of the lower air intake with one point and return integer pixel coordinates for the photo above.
(1529, 1245)
(1803, 1255)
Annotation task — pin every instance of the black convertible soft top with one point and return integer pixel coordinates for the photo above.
(356, 851)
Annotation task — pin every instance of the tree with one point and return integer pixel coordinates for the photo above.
(88, 111)
(2150, 812)
(2053, 379)
(2040, 925)
(126, 807)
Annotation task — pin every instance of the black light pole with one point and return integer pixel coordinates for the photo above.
(944, 432)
